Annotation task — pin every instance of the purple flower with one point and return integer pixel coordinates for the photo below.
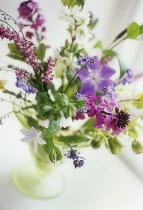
(80, 96)
(27, 9)
(107, 105)
(29, 34)
(111, 123)
(25, 85)
(93, 111)
(79, 116)
(99, 121)
(129, 77)
(1, 122)
(78, 161)
(39, 22)
(96, 77)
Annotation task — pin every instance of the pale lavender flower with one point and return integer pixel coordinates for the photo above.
(30, 135)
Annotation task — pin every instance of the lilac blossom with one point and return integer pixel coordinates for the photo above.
(107, 105)
(78, 161)
(129, 77)
(96, 77)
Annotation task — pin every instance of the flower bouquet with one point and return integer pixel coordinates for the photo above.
(70, 99)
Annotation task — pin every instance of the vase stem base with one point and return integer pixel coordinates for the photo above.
(34, 184)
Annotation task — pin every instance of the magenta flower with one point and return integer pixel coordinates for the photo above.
(107, 105)
(27, 9)
(111, 123)
(93, 111)
(96, 77)
(99, 121)
(79, 116)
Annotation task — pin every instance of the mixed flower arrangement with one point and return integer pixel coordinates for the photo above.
(71, 86)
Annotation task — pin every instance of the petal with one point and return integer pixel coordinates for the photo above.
(35, 145)
(83, 74)
(33, 130)
(104, 83)
(106, 72)
(26, 139)
(41, 141)
(26, 132)
(87, 87)
(95, 66)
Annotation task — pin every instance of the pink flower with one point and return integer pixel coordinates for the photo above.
(107, 105)
(99, 121)
(111, 123)
(27, 9)
(29, 34)
(79, 116)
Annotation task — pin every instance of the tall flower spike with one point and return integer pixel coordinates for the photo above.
(24, 46)
(48, 75)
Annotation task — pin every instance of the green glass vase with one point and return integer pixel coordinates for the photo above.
(40, 178)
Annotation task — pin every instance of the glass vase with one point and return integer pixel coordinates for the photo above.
(40, 178)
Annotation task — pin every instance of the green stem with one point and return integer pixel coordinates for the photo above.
(117, 43)
(129, 100)
(74, 77)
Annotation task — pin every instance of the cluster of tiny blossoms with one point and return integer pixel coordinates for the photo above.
(48, 76)
(24, 82)
(24, 46)
(78, 21)
(78, 161)
(30, 12)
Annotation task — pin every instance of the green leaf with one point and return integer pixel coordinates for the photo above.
(78, 103)
(109, 53)
(41, 51)
(13, 48)
(140, 36)
(53, 128)
(15, 56)
(32, 122)
(133, 30)
(71, 3)
(98, 45)
(9, 92)
(53, 151)
(73, 139)
(122, 65)
(139, 104)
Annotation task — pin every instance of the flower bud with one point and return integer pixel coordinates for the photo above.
(137, 147)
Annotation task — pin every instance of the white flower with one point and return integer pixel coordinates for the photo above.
(45, 123)
(65, 122)
(70, 14)
(30, 135)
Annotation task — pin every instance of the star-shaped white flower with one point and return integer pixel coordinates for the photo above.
(30, 135)
(65, 122)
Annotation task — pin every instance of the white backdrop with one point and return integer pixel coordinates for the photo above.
(106, 181)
